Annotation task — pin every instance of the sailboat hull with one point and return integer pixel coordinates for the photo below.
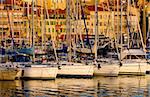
(133, 68)
(107, 70)
(83, 71)
(38, 73)
(8, 73)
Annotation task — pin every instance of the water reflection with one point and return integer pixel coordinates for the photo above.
(36, 88)
(7, 88)
(123, 86)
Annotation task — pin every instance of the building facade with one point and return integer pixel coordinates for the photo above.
(12, 24)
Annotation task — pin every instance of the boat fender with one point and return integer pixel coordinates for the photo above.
(120, 64)
(22, 73)
(99, 66)
(7, 67)
(59, 67)
(17, 66)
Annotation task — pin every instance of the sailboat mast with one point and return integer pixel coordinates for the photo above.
(121, 42)
(128, 9)
(53, 42)
(76, 27)
(138, 26)
(68, 24)
(28, 25)
(33, 30)
(44, 26)
(2, 24)
(121, 5)
(96, 27)
(144, 23)
(42, 30)
(80, 26)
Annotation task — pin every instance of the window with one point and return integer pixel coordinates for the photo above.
(100, 16)
(53, 30)
(105, 23)
(51, 22)
(100, 23)
(47, 22)
(105, 30)
(87, 23)
(16, 33)
(64, 23)
(41, 23)
(64, 30)
(60, 23)
(53, 16)
(54, 22)
(61, 30)
(49, 29)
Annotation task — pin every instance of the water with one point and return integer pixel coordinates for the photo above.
(122, 86)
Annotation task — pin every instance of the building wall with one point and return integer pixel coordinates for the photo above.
(55, 27)
(105, 22)
(12, 21)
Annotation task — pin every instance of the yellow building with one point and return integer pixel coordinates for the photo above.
(105, 21)
(12, 24)
(109, 22)
(55, 24)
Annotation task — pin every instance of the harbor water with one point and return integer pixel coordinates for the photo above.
(122, 86)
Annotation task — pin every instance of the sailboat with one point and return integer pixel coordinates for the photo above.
(70, 68)
(29, 70)
(132, 59)
(103, 67)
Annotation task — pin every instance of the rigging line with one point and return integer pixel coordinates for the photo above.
(108, 21)
(11, 30)
(53, 42)
(128, 23)
(80, 26)
(82, 13)
(140, 32)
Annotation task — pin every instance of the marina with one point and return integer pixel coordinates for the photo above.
(75, 53)
(74, 48)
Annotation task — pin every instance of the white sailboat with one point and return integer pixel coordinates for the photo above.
(106, 68)
(34, 70)
(39, 72)
(103, 68)
(132, 60)
(68, 68)
(73, 69)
